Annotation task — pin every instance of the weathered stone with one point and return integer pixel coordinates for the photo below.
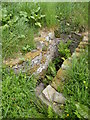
(81, 46)
(39, 89)
(57, 109)
(13, 62)
(33, 69)
(51, 36)
(60, 73)
(31, 55)
(77, 50)
(77, 54)
(54, 106)
(36, 60)
(85, 39)
(58, 98)
(47, 38)
(55, 83)
(48, 92)
(73, 55)
(65, 67)
(44, 100)
(83, 43)
(67, 61)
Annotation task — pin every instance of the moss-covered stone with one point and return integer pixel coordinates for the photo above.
(31, 55)
(43, 59)
(77, 50)
(32, 70)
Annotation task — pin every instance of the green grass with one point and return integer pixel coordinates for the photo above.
(72, 16)
(49, 9)
(76, 88)
(18, 96)
(19, 99)
(17, 31)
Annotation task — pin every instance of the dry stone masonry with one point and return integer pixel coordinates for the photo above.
(37, 61)
(49, 95)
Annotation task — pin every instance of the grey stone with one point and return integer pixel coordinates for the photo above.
(64, 67)
(44, 100)
(47, 38)
(51, 36)
(54, 106)
(36, 60)
(85, 39)
(58, 98)
(57, 109)
(48, 92)
(34, 50)
(39, 89)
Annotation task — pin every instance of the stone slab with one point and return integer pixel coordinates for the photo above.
(39, 89)
(59, 98)
(54, 106)
(44, 100)
(48, 92)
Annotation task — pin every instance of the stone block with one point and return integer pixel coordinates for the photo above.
(39, 89)
(77, 50)
(64, 67)
(48, 92)
(44, 100)
(58, 98)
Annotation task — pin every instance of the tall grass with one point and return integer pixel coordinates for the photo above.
(76, 87)
(49, 9)
(76, 14)
(67, 16)
(18, 96)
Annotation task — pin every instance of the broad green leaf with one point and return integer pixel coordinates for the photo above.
(22, 13)
(38, 9)
(32, 17)
(38, 24)
(49, 77)
(15, 19)
(42, 16)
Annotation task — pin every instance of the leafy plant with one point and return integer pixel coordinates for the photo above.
(36, 17)
(63, 49)
(51, 69)
(27, 48)
(50, 112)
(50, 74)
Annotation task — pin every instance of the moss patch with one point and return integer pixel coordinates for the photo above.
(43, 59)
(32, 70)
